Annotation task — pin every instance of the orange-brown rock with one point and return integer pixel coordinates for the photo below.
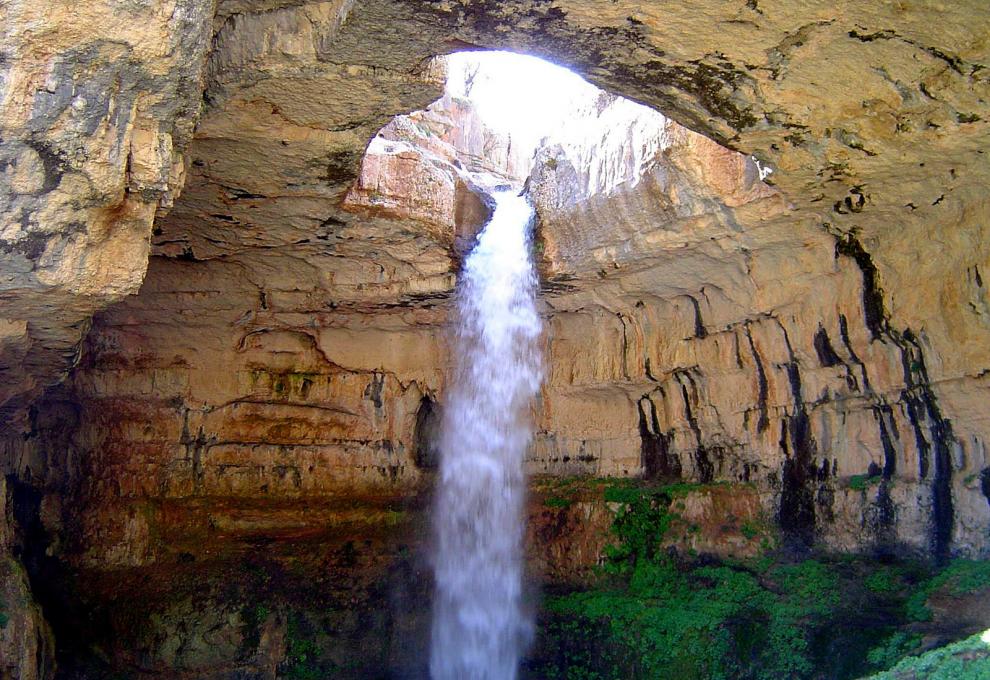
(824, 341)
(98, 104)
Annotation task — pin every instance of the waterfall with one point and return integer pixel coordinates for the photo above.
(479, 627)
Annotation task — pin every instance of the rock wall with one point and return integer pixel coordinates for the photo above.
(823, 343)
(99, 102)
(697, 330)
(747, 344)
(758, 79)
(26, 646)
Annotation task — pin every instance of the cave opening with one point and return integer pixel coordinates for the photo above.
(227, 472)
(505, 118)
(499, 111)
(257, 429)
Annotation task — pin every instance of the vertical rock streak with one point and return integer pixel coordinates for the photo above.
(479, 628)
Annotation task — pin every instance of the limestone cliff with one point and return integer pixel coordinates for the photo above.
(821, 342)
(99, 102)
(747, 345)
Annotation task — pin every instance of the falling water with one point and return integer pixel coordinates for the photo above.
(479, 628)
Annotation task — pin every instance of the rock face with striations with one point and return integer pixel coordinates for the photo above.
(746, 345)
(821, 343)
(99, 101)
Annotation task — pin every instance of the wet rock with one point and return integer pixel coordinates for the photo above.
(27, 649)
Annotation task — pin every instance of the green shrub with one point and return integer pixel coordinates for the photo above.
(302, 653)
(916, 607)
(709, 622)
(960, 577)
(884, 581)
(661, 619)
(639, 524)
(655, 615)
(966, 576)
(968, 659)
(750, 529)
(892, 649)
(863, 482)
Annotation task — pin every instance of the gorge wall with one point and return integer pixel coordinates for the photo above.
(821, 344)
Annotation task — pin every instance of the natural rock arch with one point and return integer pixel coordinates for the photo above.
(874, 118)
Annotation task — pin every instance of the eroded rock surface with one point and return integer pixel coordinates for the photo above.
(747, 344)
(99, 102)
(822, 341)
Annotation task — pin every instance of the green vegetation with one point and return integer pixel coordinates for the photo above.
(893, 648)
(640, 523)
(313, 644)
(884, 581)
(654, 613)
(302, 653)
(309, 634)
(968, 659)
(863, 482)
(707, 622)
(539, 246)
(965, 576)
(749, 529)
(4, 617)
(557, 502)
(960, 577)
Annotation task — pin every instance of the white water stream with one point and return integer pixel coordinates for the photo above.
(479, 627)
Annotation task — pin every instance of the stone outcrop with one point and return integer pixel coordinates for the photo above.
(453, 129)
(745, 344)
(430, 167)
(99, 102)
(821, 342)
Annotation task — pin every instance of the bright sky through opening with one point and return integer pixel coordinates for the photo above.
(516, 94)
(529, 99)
